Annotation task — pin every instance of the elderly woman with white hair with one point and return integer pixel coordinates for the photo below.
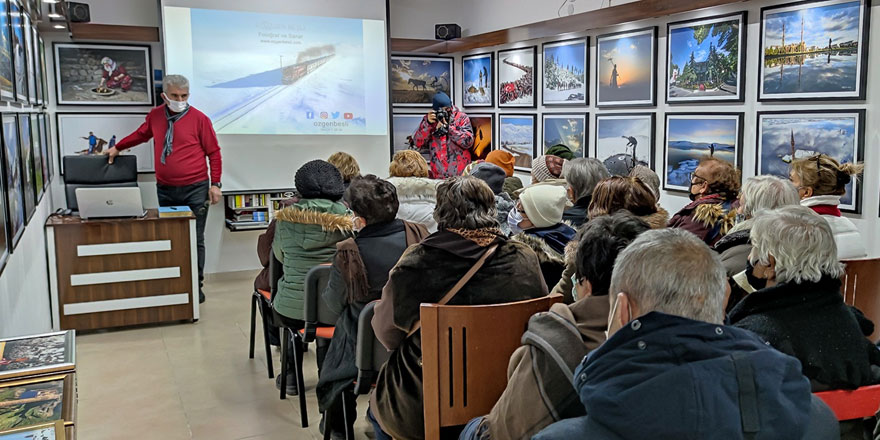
(582, 175)
(801, 311)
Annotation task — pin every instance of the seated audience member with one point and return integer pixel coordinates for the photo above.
(582, 175)
(714, 188)
(821, 181)
(506, 161)
(467, 230)
(305, 236)
(539, 390)
(494, 176)
(262, 281)
(649, 178)
(537, 223)
(360, 270)
(547, 170)
(347, 166)
(560, 150)
(801, 311)
(671, 370)
(470, 167)
(415, 191)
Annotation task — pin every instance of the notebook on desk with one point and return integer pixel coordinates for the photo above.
(174, 211)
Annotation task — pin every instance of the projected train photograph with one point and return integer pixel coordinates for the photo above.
(256, 73)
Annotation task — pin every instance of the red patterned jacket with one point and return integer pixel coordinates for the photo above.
(450, 154)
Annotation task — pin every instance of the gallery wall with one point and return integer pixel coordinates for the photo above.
(867, 221)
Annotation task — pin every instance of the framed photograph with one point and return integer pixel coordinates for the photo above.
(478, 77)
(691, 136)
(37, 154)
(48, 431)
(38, 66)
(564, 77)
(706, 60)
(44, 148)
(37, 401)
(484, 135)
(102, 74)
(44, 81)
(37, 354)
(624, 140)
(566, 129)
(27, 30)
(785, 136)
(415, 80)
(814, 50)
(95, 133)
(626, 68)
(19, 57)
(517, 136)
(50, 150)
(7, 72)
(15, 207)
(5, 227)
(403, 127)
(26, 163)
(516, 77)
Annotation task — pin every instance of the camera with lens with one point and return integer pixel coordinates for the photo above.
(442, 118)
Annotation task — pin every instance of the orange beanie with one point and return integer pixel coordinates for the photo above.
(503, 159)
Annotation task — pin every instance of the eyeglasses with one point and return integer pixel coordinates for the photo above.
(694, 175)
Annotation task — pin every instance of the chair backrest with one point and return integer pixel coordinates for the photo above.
(856, 404)
(465, 353)
(370, 354)
(861, 288)
(95, 171)
(276, 271)
(315, 310)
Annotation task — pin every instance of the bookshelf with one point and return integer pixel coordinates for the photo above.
(252, 211)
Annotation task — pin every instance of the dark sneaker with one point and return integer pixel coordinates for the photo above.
(201, 297)
(291, 384)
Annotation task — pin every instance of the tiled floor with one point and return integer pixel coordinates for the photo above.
(191, 381)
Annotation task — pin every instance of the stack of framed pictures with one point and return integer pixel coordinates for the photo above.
(37, 386)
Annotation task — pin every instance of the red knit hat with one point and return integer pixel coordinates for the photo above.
(503, 159)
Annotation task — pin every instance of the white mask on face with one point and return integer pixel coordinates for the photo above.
(176, 106)
(514, 218)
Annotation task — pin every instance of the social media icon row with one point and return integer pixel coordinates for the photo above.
(333, 115)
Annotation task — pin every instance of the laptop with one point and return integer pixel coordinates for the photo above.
(109, 202)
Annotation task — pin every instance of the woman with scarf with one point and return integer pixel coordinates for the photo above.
(467, 232)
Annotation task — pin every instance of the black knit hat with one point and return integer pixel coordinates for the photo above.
(492, 174)
(319, 179)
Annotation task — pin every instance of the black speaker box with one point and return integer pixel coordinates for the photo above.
(78, 12)
(447, 31)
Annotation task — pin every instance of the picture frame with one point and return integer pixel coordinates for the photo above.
(517, 134)
(616, 133)
(55, 393)
(684, 143)
(47, 431)
(837, 70)
(15, 208)
(569, 129)
(44, 150)
(37, 154)
(19, 60)
(26, 163)
(5, 226)
(73, 136)
(129, 84)
(7, 71)
(565, 72)
(38, 67)
(27, 30)
(638, 86)
(414, 84)
(517, 83)
(479, 69)
(37, 355)
(483, 125)
(44, 79)
(783, 136)
(403, 126)
(50, 150)
(727, 33)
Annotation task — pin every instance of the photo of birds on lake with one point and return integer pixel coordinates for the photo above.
(625, 140)
(516, 135)
(691, 137)
(814, 50)
(568, 130)
(784, 137)
(478, 76)
(705, 59)
(564, 77)
(625, 68)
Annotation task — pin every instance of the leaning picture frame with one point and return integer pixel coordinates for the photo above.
(54, 395)
(103, 74)
(40, 354)
(47, 431)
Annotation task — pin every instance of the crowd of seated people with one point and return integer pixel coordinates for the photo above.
(718, 323)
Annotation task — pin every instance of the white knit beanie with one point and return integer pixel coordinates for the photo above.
(544, 204)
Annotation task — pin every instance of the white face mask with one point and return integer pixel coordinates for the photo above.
(514, 218)
(175, 106)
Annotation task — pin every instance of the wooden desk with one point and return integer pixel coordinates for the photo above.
(120, 272)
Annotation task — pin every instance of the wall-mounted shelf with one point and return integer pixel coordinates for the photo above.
(252, 211)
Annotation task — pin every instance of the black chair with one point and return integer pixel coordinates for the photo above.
(370, 355)
(263, 300)
(96, 172)
(314, 307)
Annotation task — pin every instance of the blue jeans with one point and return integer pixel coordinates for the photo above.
(196, 197)
(380, 434)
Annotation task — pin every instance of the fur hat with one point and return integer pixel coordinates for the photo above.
(544, 204)
(547, 167)
(492, 174)
(503, 159)
(319, 179)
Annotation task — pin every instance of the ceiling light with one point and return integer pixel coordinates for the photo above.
(51, 1)
(60, 26)
(55, 15)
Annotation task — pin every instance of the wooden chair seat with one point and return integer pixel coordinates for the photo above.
(856, 404)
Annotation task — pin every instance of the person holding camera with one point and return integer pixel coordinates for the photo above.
(446, 133)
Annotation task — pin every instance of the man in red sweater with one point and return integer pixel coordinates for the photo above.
(182, 138)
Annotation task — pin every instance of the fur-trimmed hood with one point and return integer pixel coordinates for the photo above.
(541, 248)
(711, 214)
(658, 219)
(415, 188)
(331, 218)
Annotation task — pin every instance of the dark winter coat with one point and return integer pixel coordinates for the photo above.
(552, 262)
(811, 322)
(708, 218)
(667, 377)
(449, 153)
(577, 215)
(379, 247)
(424, 274)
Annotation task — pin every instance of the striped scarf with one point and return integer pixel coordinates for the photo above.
(169, 133)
